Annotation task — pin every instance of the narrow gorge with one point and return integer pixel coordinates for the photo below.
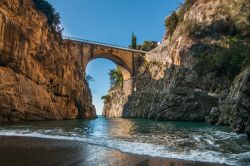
(191, 76)
(182, 101)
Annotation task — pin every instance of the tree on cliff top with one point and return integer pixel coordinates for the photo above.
(133, 42)
(116, 78)
(147, 45)
(53, 17)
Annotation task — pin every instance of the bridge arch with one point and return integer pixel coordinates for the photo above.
(126, 59)
(126, 71)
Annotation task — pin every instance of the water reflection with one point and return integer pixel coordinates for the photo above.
(109, 128)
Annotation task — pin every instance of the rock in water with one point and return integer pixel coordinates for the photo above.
(213, 117)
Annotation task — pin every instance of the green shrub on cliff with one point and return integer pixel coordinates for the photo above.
(53, 17)
(175, 18)
(228, 60)
(171, 23)
(147, 45)
(116, 78)
(233, 58)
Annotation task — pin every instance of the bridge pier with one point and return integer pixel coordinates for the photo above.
(128, 87)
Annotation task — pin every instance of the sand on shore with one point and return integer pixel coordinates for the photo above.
(26, 151)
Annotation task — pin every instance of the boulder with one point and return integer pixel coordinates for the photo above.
(213, 116)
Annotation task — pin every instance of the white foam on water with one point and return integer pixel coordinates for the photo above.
(138, 147)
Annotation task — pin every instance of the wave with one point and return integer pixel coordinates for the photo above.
(138, 147)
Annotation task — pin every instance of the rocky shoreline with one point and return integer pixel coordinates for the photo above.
(177, 97)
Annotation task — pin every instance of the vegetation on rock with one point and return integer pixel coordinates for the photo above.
(184, 8)
(116, 78)
(227, 60)
(53, 17)
(116, 82)
(147, 45)
(89, 78)
(235, 23)
(242, 22)
(175, 18)
(106, 98)
(171, 23)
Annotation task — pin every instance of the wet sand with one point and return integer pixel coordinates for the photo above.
(25, 151)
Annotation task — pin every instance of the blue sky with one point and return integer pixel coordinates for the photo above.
(112, 21)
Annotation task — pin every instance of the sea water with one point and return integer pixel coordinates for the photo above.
(179, 140)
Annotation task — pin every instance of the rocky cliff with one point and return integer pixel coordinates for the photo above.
(39, 77)
(193, 75)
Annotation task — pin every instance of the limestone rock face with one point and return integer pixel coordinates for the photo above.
(202, 25)
(114, 109)
(213, 116)
(169, 87)
(174, 97)
(39, 77)
(235, 109)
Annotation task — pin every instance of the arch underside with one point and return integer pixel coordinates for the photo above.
(126, 71)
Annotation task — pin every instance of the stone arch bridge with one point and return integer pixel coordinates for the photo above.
(127, 60)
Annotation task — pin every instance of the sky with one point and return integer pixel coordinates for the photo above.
(113, 22)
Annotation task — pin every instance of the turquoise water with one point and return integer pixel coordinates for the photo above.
(181, 140)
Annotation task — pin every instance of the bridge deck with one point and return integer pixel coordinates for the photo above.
(102, 44)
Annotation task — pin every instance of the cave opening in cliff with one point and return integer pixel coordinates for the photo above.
(97, 75)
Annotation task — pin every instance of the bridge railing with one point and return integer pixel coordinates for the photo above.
(102, 44)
